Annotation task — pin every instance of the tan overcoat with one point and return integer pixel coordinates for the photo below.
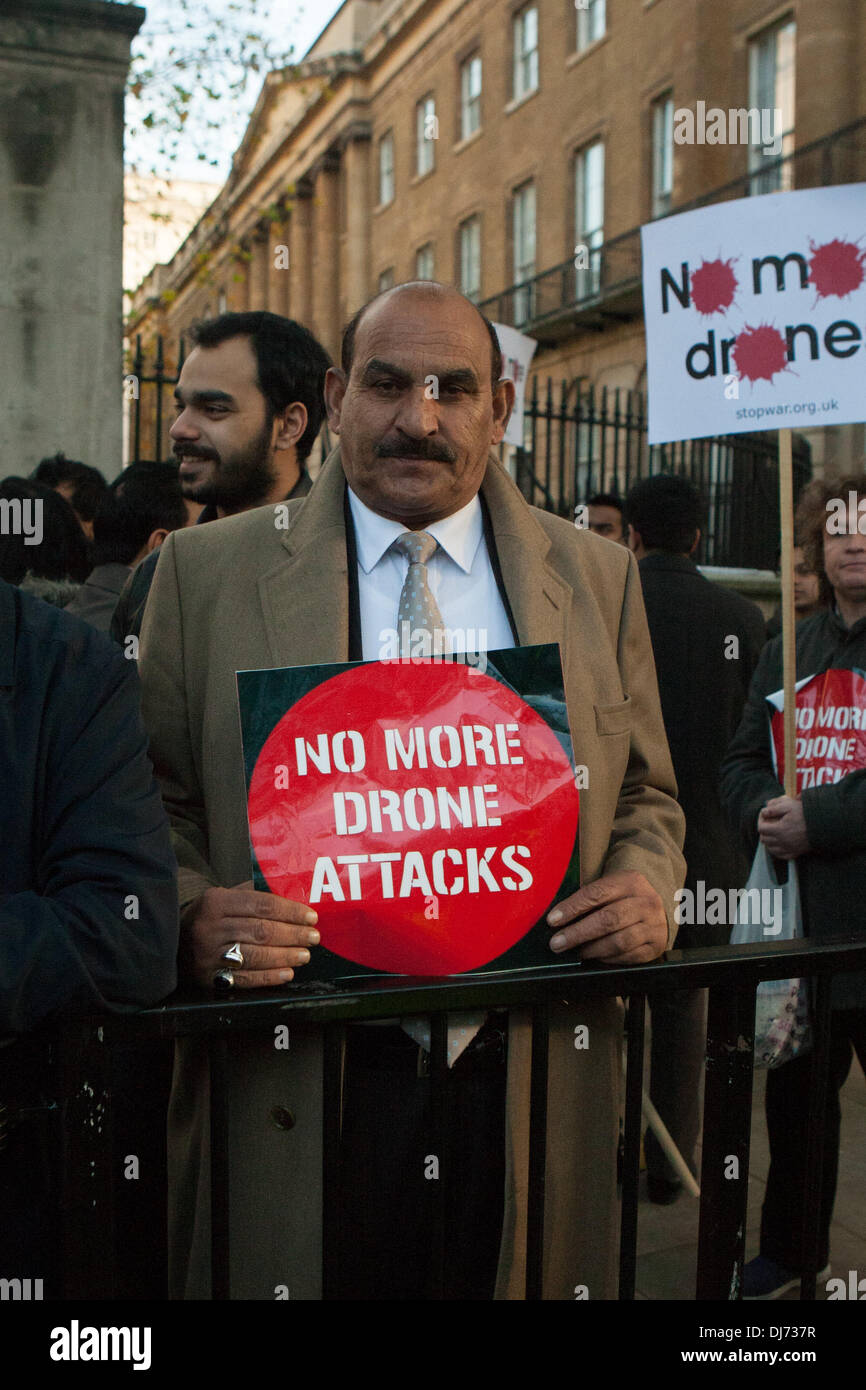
(249, 592)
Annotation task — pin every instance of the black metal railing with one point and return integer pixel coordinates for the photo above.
(94, 1244)
(580, 440)
(598, 276)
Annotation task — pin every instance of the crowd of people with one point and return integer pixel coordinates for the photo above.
(124, 616)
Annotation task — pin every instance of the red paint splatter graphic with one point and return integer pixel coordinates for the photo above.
(759, 353)
(713, 286)
(836, 268)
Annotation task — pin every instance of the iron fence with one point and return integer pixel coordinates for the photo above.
(577, 440)
(96, 1247)
(580, 440)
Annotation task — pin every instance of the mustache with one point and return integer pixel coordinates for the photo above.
(192, 451)
(429, 450)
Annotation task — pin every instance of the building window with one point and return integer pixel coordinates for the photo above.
(470, 258)
(525, 51)
(663, 155)
(386, 168)
(426, 132)
(590, 23)
(589, 219)
(386, 279)
(771, 91)
(523, 238)
(470, 96)
(424, 262)
(221, 302)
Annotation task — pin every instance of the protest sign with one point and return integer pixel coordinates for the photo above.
(831, 727)
(427, 810)
(517, 354)
(756, 313)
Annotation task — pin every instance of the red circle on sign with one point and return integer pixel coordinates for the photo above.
(458, 890)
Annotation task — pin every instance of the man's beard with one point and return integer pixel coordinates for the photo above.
(238, 482)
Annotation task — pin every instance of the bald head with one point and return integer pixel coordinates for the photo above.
(428, 288)
(414, 404)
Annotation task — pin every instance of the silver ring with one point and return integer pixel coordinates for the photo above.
(234, 953)
(224, 979)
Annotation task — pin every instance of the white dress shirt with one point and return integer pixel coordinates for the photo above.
(459, 573)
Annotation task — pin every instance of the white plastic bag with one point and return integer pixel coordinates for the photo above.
(782, 1029)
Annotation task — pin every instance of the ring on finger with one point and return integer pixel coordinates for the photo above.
(223, 980)
(234, 954)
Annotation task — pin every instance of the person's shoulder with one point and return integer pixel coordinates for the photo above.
(233, 532)
(54, 640)
(737, 605)
(240, 544)
(581, 546)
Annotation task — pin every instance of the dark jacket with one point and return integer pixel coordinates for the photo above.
(833, 874)
(126, 620)
(97, 598)
(702, 695)
(88, 896)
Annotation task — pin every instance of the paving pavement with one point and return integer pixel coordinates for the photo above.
(667, 1245)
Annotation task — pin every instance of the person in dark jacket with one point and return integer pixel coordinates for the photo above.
(243, 366)
(824, 829)
(706, 641)
(136, 514)
(88, 880)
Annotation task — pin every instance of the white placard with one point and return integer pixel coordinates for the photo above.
(756, 314)
(517, 354)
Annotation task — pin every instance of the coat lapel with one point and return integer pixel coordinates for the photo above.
(304, 597)
(540, 599)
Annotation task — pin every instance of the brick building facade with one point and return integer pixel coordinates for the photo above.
(486, 142)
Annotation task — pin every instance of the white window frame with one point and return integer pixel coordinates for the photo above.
(772, 84)
(386, 279)
(525, 41)
(662, 154)
(588, 225)
(425, 156)
(469, 243)
(386, 168)
(591, 23)
(524, 224)
(470, 96)
(424, 254)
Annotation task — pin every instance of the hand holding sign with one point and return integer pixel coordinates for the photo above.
(273, 934)
(619, 918)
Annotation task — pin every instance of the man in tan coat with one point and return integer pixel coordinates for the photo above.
(253, 592)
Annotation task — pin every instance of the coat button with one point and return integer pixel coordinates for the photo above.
(282, 1118)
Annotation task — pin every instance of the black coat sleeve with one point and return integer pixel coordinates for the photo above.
(97, 928)
(747, 779)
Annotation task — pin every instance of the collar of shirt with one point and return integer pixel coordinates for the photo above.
(459, 535)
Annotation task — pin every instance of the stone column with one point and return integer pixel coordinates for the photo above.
(356, 236)
(326, 260)
(63, 66)
(300, 254)
(258, 269)
(279, 265)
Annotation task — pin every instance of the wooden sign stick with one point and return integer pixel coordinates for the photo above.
(789, 640)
